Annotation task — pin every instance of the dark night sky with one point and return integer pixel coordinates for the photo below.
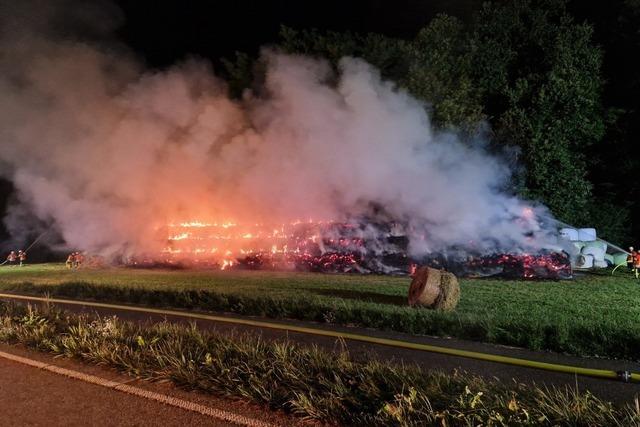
(165, 31)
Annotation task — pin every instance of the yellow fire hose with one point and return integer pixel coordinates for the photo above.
(625, 376)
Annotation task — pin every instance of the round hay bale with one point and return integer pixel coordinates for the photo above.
(450, 292)
(425, 286)
(434, 289)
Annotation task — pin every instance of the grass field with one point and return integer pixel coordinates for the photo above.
(594, 315)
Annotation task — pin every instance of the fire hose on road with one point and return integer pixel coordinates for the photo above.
(625, 376)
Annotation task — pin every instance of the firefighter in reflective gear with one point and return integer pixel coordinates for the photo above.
(631, 258)
(79, 259)
(22, 257)
(12, 258)
(71, 260)
(636, 264)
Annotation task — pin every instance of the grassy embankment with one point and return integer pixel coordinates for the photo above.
(596, 315)
(305, 381)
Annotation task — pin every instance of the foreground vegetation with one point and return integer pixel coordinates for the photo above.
(595, 315)
(304, 381)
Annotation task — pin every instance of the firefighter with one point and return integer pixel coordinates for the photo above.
(631, 258)
(71, 260)
(12, 258)
(636, 263)
(22, 257)
(79, 259)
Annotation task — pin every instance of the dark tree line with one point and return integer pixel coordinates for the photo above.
(537, 72)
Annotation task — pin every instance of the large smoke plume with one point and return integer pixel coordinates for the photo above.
(106, 152)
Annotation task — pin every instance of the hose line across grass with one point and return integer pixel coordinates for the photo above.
(625, 376)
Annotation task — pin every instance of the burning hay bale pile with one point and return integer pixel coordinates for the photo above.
(436, 289)
(358, 246)
(328, 247)
(546, 265)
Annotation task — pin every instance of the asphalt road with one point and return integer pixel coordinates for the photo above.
(616, 391)
(34, 397)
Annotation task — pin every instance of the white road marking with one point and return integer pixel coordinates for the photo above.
(135, 391)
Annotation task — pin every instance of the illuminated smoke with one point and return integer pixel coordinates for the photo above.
(108, 152)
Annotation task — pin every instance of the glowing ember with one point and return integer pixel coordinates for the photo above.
(332, 247)
(550, 266)
(300, 245)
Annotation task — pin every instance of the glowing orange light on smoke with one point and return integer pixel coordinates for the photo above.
(527, 213)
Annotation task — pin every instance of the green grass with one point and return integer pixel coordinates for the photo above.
(305, 381)
(595, 315)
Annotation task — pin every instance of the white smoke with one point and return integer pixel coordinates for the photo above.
(107, 152)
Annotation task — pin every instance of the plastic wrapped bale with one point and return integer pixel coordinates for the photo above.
(597, 249)
(434, 289)
(610, 260)
(579, 245)
(570, 234)
(584, 261)
(600, 264)
(620, 258)
(587, 234)
(598, 244)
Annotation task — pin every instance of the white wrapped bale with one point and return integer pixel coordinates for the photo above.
(609, 259)
(584, 261)
(570, 234)
(599, 244)
(595, 251)
(587, 234)
(579, 245)
(620, 258)
(600, 264)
